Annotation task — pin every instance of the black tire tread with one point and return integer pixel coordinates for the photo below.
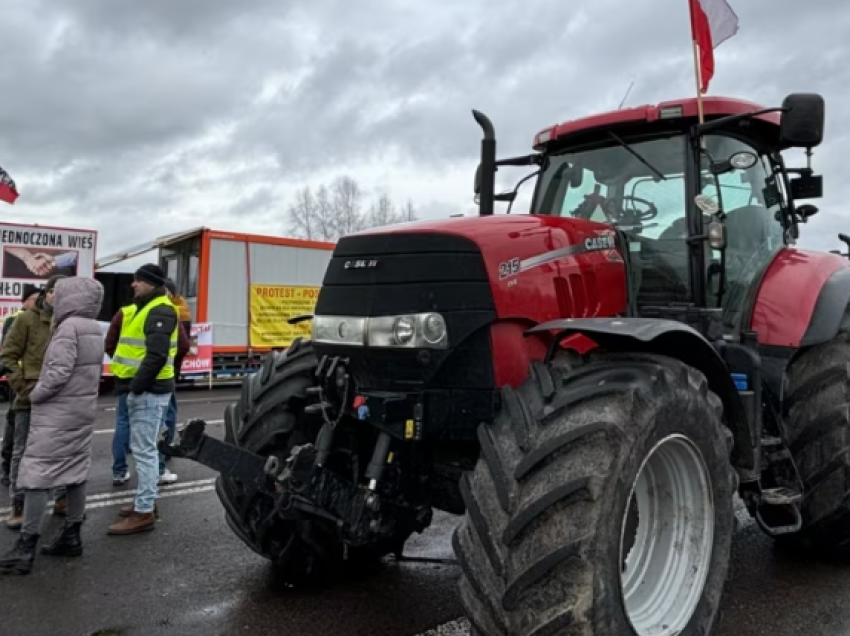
(267, 419)
(526, 554)
(816, 428)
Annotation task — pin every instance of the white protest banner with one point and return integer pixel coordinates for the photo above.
(30, 254)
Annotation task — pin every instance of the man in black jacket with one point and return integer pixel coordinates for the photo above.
(143, 366)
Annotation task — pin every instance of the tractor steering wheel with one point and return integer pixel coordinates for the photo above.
(614, 213)
(633, 213)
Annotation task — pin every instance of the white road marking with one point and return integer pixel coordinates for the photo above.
(112, 430)
(105, 431)
(102, 500)
(165, 488)
(161, 495)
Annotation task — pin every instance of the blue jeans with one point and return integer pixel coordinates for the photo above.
(170, 425)
(121, 439)
(146, 412)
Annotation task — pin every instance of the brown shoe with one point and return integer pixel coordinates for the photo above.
(16, 516)
(135, 523)
(60, 507)
(127, 510)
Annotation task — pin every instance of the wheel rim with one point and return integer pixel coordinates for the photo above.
(665, 553)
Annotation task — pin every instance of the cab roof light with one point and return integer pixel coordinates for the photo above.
(542, 138)
(671, 112)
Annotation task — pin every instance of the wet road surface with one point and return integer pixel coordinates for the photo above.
(192, 576)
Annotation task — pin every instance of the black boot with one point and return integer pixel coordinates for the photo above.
(19, 560)
(67, 543)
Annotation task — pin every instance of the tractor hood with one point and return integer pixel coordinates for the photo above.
(507, 263)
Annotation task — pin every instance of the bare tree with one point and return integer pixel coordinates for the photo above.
(302, 214)
(408, 212)
(348, 204)
(337, 210)
(382, 212)
(325, 215)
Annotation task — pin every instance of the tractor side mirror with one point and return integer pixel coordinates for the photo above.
(807, 211)
(802, 121)
(738, 161)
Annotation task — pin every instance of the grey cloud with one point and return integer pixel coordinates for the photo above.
(167, 19)
(84, 91)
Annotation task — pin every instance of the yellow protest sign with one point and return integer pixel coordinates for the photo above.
(272, 305)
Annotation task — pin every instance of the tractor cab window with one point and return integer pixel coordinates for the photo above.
(611, 185)
(754, 233)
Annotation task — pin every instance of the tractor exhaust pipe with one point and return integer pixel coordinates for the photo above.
(487, 168)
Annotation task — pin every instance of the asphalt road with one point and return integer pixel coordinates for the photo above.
(192, 576)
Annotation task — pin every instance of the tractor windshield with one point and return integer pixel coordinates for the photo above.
(611, 185)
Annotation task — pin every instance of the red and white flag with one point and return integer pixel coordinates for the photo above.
(8, 190)
(712, 23)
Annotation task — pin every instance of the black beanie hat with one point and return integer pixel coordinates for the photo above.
(29, 290)
(151, 274)
(51, 282)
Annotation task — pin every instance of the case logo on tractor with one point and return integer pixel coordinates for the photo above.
(599, 243)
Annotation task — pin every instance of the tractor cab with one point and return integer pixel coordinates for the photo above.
(647, 201)
(702, 210)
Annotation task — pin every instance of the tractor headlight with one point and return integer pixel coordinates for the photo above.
(433, 328)
(404, 330)
(409, 331)
(339, 330)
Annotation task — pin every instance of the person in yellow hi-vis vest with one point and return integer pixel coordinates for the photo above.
(143, 368)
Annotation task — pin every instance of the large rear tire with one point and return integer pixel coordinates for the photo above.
(816, 430)
(269, 419)
(547, 547)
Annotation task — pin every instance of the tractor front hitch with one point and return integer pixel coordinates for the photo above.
(253, 471)
(300, 487)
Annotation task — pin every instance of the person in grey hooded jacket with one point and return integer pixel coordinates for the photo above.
(64, 405)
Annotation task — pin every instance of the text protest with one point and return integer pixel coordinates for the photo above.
(271, 307)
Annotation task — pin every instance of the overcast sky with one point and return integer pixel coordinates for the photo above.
(144, 118)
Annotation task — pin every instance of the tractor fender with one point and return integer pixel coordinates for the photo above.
(829, 311)
(669, 338)
(800, 299)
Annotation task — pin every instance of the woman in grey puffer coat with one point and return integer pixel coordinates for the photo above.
(64, 405)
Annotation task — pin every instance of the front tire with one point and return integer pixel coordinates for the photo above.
(269, 419)
(547, 547)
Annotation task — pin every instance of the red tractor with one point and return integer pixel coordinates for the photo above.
(589, 384)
